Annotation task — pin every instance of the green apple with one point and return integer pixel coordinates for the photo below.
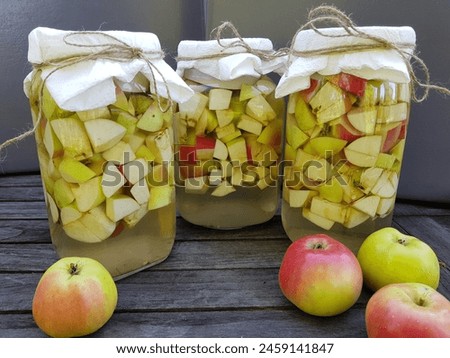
(101, 112)
(331, 190)
(389, 256)
(271, 134)
(73, 137)
(385, 161)
(119, 205)
(88, 194)
(135, 140)
(75, 297)
(74, 171)
(219, 98)
(145, 153)
(104, 133)
(121, 100)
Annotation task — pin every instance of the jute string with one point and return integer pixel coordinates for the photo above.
(118, 50)
(113, 50)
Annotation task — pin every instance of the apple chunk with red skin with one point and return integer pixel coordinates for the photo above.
(407, 310)
(75, 297)
(320, 275)
(350, 83)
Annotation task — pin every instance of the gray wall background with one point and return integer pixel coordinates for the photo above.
(426, 168)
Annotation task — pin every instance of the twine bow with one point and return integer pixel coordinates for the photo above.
(114, 49)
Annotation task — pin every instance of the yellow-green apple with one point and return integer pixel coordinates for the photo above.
(88, 194)
(119, 205)
(393, 113)
(128, 121)
(295, 137)
(320, 275)
(237, 150)
(330, 102)
(120, 153)
(390, 133)
(408, 310)
(51, 142)
(327, 146)
(74, 171)
(318, 220)
(249, 91)
(363, 152)
(153, 118)
(389, 256)
(224, 117)
(193, 108)
(250, 125)
(112, 179)
(161, 145)
(161, 196)
(75, 297)
(220, 150)
(363, 119)
(329, 210)
(345, 130)
(305, 118)
(101, 112)
(309, 93)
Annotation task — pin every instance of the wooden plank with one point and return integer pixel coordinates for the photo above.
(22, 193)
(283, 323)
(411, 208)
(23, 210)
(185, 255)
(153, 291)
(24, 231)
(26, 179)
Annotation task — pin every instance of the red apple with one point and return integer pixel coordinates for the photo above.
(408, 310)
(187, 154)
(75, 297)
(350, 83)
(390, 137)
(204, 148)
(320, 275)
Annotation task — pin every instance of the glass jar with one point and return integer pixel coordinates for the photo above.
(228, 138)
(344, 143)
(107, 171)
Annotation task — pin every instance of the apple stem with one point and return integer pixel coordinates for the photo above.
(318, 246)
(73, 269)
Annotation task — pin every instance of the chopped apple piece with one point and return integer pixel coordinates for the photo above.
(193, 108)
(112, 179)
(128, 121)
(386, 185)
(248, 91)
(398, 149)
(118, 206)
(265, 85)
(140, 192)
(121, 100)
(153, 118)
(250, 125)
(98, 223)
(89, 194)
(62, 193)
(318, 220)
(260, 109)
(136, 216)
(120, 153)
(204, 148)
(74, 171)
(331, 190)
(294, 135)
(326, 147)
(215, 177)
(224, 117)
(237, 150)
(51, 142)
(77, 231)
(367, 205)
(354, 218)
(219, 98)
(70, 213)
(101, 112)
(350, 83)
(296, 198)
(363, 119)
(385, 206)
(135, 170)
(220, 150)
(369, 178)
(54, 212)
(135, 140)
(271, 134)
(196, 185)
(393, 113)
(360, 159)
(318, 170)
(73, 137)
(223, 189)
(332, 211)
(385, 161)
(370, 145)
(161, 196)
(104, 133)
(202, 123)
(161, 145)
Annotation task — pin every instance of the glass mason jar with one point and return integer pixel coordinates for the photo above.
(344, 143)
(108, 173)
(228, 142)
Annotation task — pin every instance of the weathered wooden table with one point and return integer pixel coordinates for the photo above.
(214, 284)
